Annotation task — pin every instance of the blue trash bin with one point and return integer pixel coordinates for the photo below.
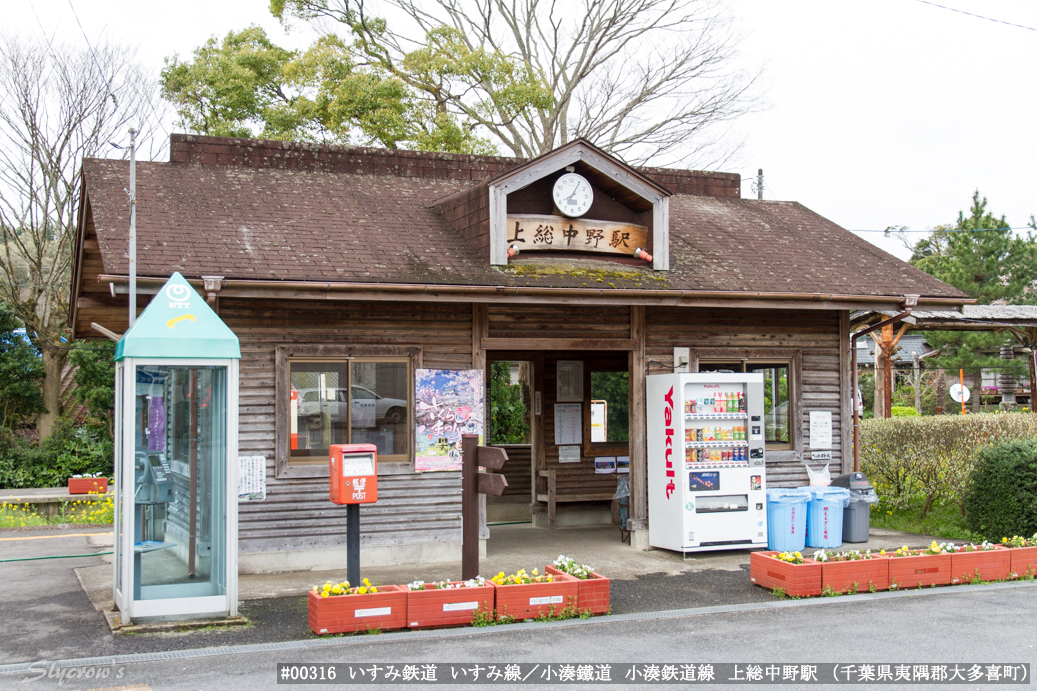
(787, 519)
(825, 516)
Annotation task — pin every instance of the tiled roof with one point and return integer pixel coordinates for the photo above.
(362, 222)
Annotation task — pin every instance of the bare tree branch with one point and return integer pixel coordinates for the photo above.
(57, 109)
(648, 80)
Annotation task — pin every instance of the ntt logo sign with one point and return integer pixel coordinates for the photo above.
(668, 421)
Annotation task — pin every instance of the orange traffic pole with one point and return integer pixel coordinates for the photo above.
(961, 382)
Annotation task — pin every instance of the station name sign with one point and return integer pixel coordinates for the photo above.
(535, 232)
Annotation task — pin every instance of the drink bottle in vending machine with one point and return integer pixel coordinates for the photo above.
(710, 495)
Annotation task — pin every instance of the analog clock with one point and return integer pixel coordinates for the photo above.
(573, 195)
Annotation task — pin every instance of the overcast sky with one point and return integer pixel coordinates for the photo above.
(876, 112)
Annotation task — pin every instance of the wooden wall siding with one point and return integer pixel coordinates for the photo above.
(544, 321)
(296, 515)
(814, 334)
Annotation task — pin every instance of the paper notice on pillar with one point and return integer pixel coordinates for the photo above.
(447, 404)
(252, 478)
(604, 465)
(820, 429)
(569, 454)
(623, 465)
(568, 423)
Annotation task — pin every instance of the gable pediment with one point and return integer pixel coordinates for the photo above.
(630, 211)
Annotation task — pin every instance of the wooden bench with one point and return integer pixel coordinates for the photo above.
(554, 497)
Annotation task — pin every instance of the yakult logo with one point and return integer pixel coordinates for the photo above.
(668, 421)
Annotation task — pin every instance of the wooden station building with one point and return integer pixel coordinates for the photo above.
(359, 266)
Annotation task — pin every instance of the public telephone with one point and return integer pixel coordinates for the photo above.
(153, 479)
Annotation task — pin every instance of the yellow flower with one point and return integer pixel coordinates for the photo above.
(535, 573)
(367, 582)
(324, 593)
(373, 589)
(337, 590)
(361, 590)
(882, 552)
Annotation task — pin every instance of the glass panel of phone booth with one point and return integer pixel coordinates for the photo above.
(117, 522)
(180, 449)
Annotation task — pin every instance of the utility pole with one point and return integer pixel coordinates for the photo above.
(759, 184)
(133, 226)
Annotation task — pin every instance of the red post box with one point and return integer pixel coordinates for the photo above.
(353, 473)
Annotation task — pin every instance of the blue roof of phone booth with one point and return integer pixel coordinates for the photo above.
(178, 324)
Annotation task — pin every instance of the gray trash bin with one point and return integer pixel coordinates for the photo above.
(857, 514)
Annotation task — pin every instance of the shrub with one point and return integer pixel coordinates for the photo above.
(903, 411)
(1002, 497)
(68, 451)
(932, 457)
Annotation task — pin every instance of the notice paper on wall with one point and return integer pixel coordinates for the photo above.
(251, 478)
(820, 429)
(604, 465)
(568, 423)
(569, 454)
(623, 465)
(570, 381)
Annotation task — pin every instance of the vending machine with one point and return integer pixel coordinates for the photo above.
(706, 462)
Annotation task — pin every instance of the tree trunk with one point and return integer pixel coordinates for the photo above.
(53, 364)
(1033, 378)
(977, 389)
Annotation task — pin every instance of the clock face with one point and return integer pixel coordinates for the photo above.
(573, 195)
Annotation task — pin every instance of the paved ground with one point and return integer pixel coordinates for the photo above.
(64, 598)
(957, 627)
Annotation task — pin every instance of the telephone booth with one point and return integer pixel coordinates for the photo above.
(176, 417)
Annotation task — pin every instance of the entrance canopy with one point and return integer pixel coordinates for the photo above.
(178, 324)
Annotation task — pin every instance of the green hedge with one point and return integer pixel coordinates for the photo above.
(69, 450)
(903, 411)
(1001, 500)
(931, 458)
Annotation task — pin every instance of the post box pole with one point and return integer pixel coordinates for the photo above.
(469, 506)
(353, 544)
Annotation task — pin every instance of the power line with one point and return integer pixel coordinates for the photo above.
(948, 230)
(977, 16)
(107, 86)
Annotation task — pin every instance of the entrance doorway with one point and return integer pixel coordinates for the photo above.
(564, 420)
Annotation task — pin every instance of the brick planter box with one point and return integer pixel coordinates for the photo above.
(867, 574)
(1024, 560)
(992, 565)
(88, 485)
(433, 607)
(384, 610)
(797, 580)
(922, 569)
(531, 600)
(594, 592)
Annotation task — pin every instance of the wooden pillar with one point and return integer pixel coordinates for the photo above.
(480, 330)
(847, 396)
(638, 520)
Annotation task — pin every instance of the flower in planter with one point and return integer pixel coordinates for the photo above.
(1017, 541)
(476, 582)
(520, 577)
(790, 557)
(330, 589)
(972, 547)
(822, 556)
(569, 566)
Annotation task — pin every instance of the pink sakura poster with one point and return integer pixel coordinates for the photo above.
(447, 404)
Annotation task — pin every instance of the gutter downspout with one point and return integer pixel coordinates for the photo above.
(908, 303)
